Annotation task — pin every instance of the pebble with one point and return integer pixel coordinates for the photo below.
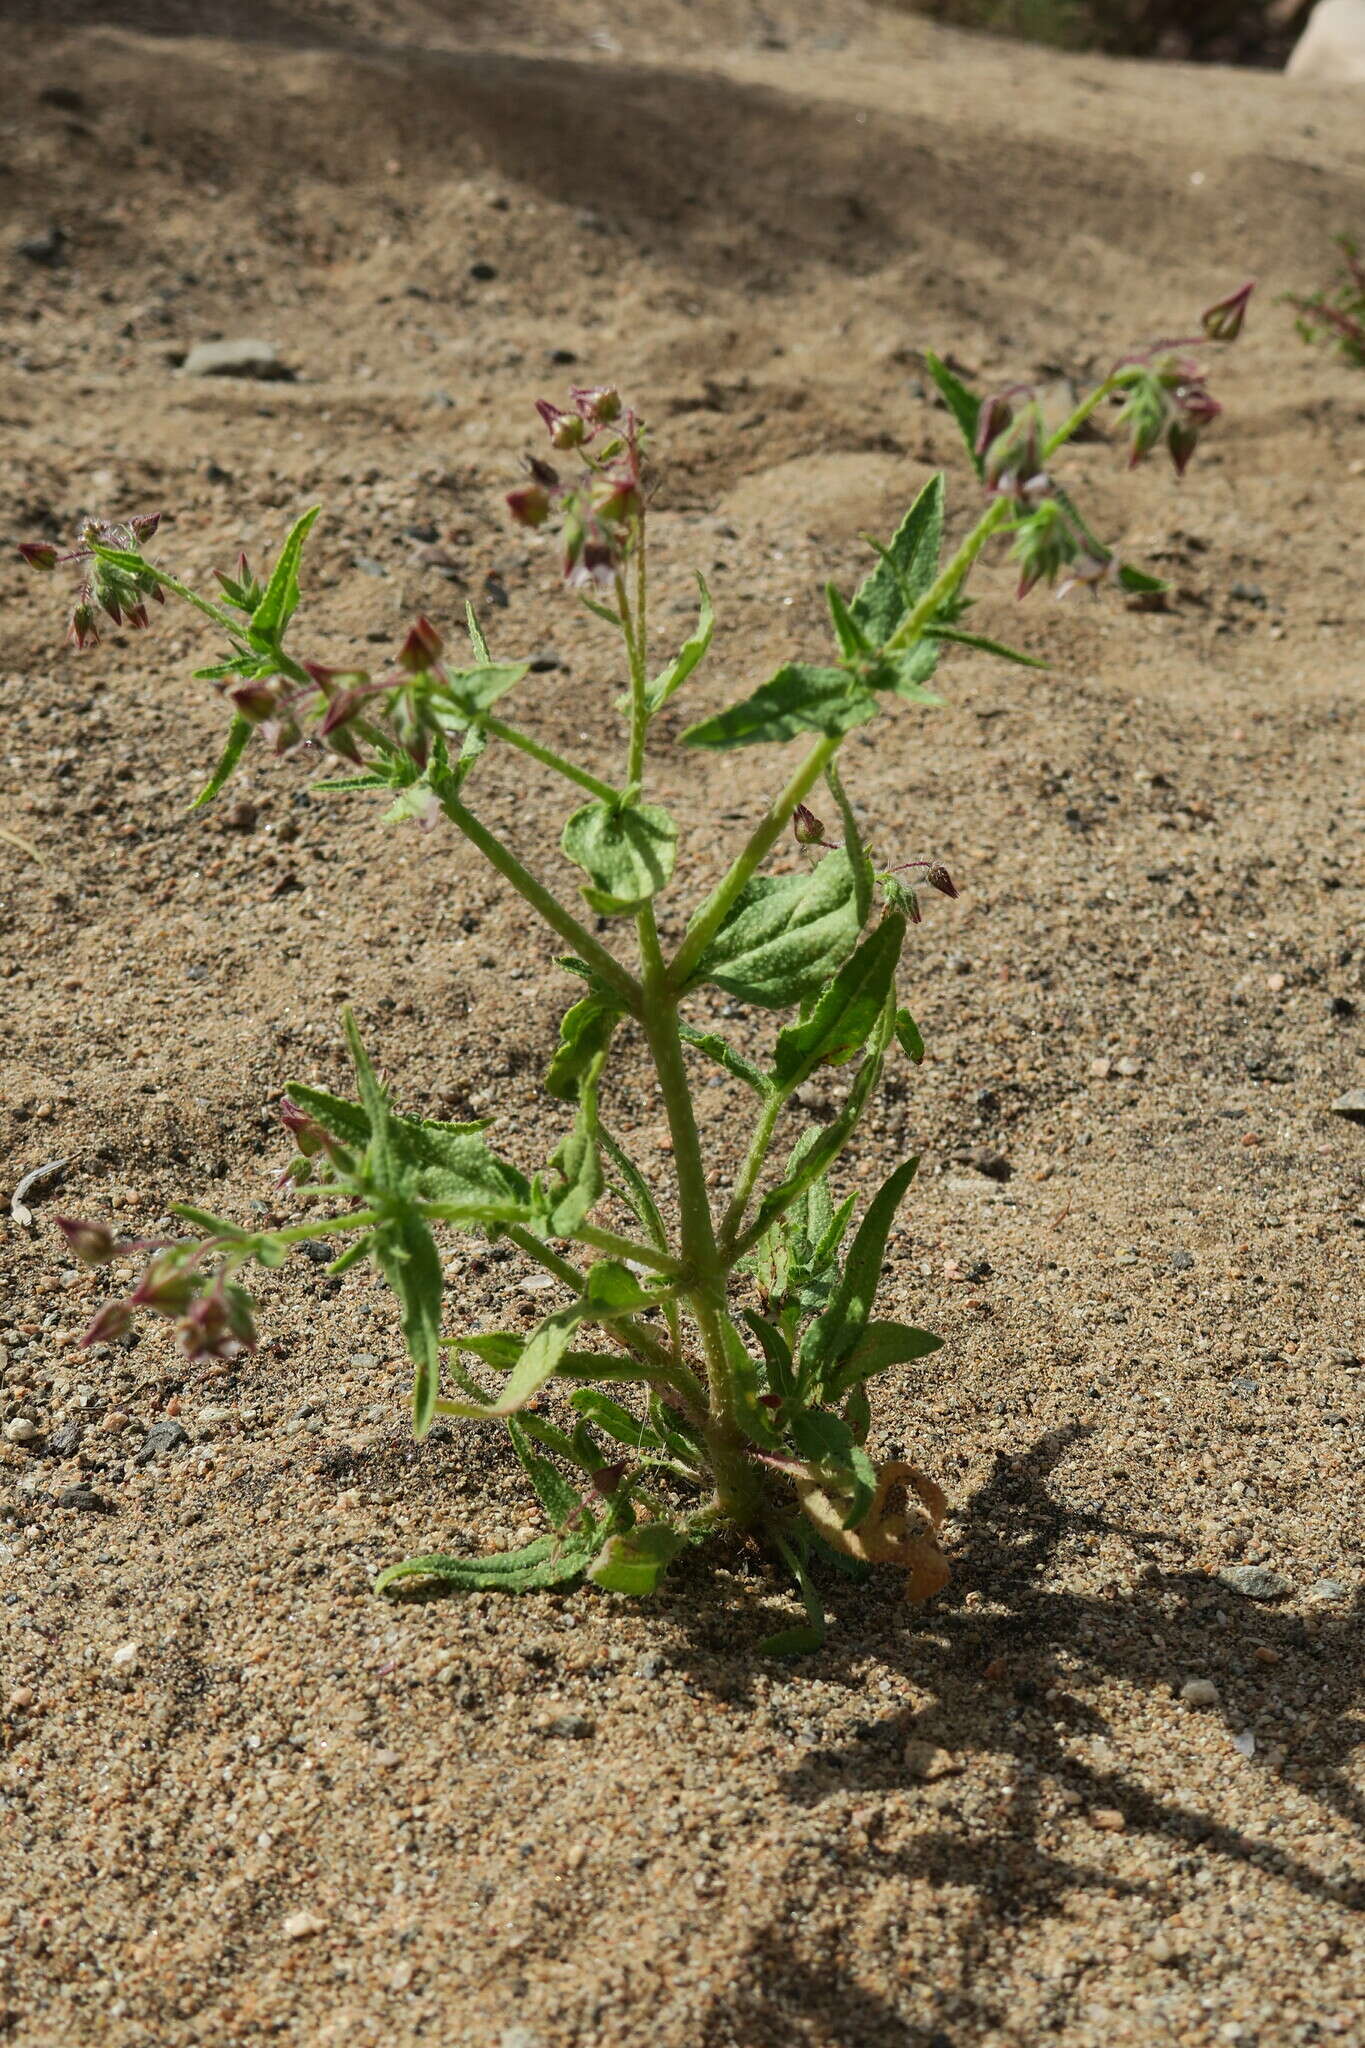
(1351, 1105)
(1182, 1261)
(125, 1659)
(572, 1726)
(926, 1762)
(1109, 1819)
(19, 1430)
(519, 2037)
(363, 1361)
(161, 1439)
(1329, 1591)
(299, 1926)
(650, 1665)
(46, 247)
(85, 1500)
(1254, 1581)
(234, 359)
(66, 1440)
(1199, 1692)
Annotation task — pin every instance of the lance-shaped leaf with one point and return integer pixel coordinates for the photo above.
(280, 600)
(823, 1145)
(843, 1018)
(613, 1420)
(546, 1562)
(777, 1352)
(692, 651)
(405, 1252)
(635, 1191)
(472, 690)
(634, 1562)
(627, 849)
(786, 936)
(540, 1356)
(909, 1037)
(853, 641)
(905, 569)
(724, 1054)
(833, 1335)
(881, 1346)
(753, 1417)
(982, 645)
(810, 1635)
(799, 699)
(574, 1184)
(557, 1495)
(964, 405)
(238, 739)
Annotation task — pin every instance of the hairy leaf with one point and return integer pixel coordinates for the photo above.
(627, 849)
(281, 597)
(556, 1495)
(964, 405)
(905, 570)
(908, 1037)
(539, 1359)
(832, 1336)
(786, 935)
(405, 1252)
(635, 1562)
(881, 1346)
(799, 699)
(827, 1440)
(238, 739)
(724, 1054)
(984, 646)
(692, 651)
(585, 1034)
(546, 1562)
(843, 1018)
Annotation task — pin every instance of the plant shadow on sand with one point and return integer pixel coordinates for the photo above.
(1041, 1639)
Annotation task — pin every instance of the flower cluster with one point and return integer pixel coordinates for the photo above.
(118, 590)
(600, 512)
(211, 1313)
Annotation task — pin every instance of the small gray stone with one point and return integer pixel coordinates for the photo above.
(573, 1726)
(651, 1665)
(363, 1361)
(161, 1438)
(1329, 1591)
(1199, 1692)
(1254, 1581)
(519, 2037)
(47, 247)
(85, 1499)
(66, 1441)
(1351, 1105)
(234, 359)
(1182, 1261)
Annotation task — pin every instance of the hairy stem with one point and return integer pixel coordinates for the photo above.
(548, 758)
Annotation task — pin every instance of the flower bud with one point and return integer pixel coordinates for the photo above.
(529, 506)
(167, 1287)
(307, 1133)
(256, 698)
(83, 631)
(422, 648)
(1223, 321)
(620, 503)
(937, 877)
(806, 827)
(598, 404)
(543, 472)
(566, 429)
(112, 1321)
(94, 1244)
(1015, 456)
(144, 525)
(995, 416)
(39, 554)
(911, 907)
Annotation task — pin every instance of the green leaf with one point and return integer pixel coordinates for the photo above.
(239, 734)
(612, 1290)
(612, 1419)
(964, 405)
(906, 570)
(585, 1035)
(881, 1346)
(602, 611)
(983, 645)
(863, 870)
(474, 690)
(786, 935)
(777, 1352)
(405, 1252)
(858, 1413)
(635, 1562)
(724, 1055)
(577, 1450)
(826, 1141)
(476, 639)
(802, 1640)
(126, 559)
(636, 1193)
(905, 672)
(540, 1357)
(843, 1018)
(546, 1562)
(833, 1335)
(560, 1500)
(826, 1439)
(627, 849)
(688, 656)
(499, 1348)
(908, 1037)
(849, 634)
(798, 699)
(277, 606)
(1139, 582)
(579, 1182)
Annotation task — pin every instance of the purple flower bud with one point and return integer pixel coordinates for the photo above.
(529, 506)
(39, 554)
(566, 429)
(995, 415)
(94, 1244)
(218, 1324)
(607, 1478)
(938, 878)
(307, 1133)
(144, 525)
(256, 698)
(1015, 456)
(1182, 438)
(912, 909)
(806, 827)
(1223, 321)
(110, 1323)
(136, 617)
(83, 630)
(543, 472)
(422, 648)
(598, 404)
(593, 567)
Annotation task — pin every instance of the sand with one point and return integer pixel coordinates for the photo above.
(242, 1799)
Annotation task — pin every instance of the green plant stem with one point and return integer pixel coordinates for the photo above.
(559, 919)
(718, 905)
(201, 604)
(738, 1490)
(628, 1332)
(497, 729)
(752, 1167)
(659, 1017)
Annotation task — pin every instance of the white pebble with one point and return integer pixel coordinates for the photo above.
(1199, 1692)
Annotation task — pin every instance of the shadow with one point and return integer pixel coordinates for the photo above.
(1001, 1683)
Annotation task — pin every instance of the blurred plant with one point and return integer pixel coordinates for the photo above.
(739, 1338)
(1336, 314)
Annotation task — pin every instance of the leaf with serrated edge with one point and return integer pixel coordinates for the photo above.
(786, 936)
(839, 1025)
(238, 738)
(277, 606)
(692, 651)
(559, 1498)
(542, 1563)
(964, 405)
(798, 699)
(830, 1338)
(906, 569)
(881, 1346)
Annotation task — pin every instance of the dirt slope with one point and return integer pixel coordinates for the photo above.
(568, 1821)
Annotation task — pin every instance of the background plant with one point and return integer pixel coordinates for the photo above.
(738, 1339)
(1336, 314)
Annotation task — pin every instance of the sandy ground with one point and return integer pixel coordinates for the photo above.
(295, 1813)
